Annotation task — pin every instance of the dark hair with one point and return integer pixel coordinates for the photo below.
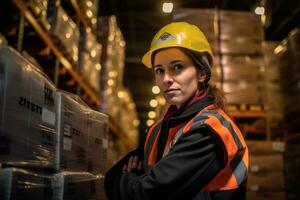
(203, 65)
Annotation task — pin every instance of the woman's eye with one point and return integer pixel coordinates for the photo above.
(177, 67)
(158, 71)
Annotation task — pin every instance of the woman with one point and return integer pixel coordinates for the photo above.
(196, 151)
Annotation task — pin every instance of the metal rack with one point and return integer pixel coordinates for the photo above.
(37, 26)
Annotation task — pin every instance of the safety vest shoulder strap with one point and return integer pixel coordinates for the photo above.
(152, 135)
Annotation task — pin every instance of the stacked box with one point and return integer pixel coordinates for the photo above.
(89, 59)
(128, 116)
(27, 123)
(65, 32)
(112, 61)
(240, 33)
(292, 164)
(246, 68)
(83, 135)
(90, 10)
(241, 36)
(39, 7)
(274, 93)
(98, 141)
(44, 129)
(244, 92)
(266, 179)
(288, 52)
(16, 183)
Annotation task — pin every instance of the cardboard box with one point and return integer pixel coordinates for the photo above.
(258, 163)
(257, 147)
(84, 135)
(27, 122)
(266, 181)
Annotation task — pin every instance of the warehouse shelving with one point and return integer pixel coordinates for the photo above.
(84, 21)
(89, 92)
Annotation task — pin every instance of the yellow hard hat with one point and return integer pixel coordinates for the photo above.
(178, 34)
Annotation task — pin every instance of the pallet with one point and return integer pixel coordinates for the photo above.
(245, 107)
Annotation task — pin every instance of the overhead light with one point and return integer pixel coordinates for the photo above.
(98, 66)
(155, 89)
(167, 7)
(136, 122)
(149, 122)
(151, 114)
(259, 10)
(153, 103)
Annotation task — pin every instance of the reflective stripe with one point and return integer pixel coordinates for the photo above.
(226, 124)
(149, 143)
(239, 168)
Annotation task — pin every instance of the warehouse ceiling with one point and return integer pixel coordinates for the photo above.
(140, 19)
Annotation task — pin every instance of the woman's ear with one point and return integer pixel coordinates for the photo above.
(201, 77)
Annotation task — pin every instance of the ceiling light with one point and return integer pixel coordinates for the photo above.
(155, 89)
(259, 10)
(136, 122)
(167, 7)
(153, 103)
(149, 122)
(151, 114)
(98, 66)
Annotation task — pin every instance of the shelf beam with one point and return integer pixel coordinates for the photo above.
(248, 114)
(48, 40)
(87, 24)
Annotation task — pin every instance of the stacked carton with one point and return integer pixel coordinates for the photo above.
(89, 59)
(266, 172)
(274, 93)
(65, 32)
(52, 144)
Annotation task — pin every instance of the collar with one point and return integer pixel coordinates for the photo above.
(176, 117)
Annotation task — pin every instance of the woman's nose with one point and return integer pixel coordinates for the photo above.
(168, 78)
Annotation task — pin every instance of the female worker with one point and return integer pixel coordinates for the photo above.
(195, 151)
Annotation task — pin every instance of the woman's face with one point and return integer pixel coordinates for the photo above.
(175, 75)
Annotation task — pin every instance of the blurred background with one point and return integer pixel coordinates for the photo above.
(93, 49)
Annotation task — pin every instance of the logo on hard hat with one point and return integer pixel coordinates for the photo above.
(165, 37)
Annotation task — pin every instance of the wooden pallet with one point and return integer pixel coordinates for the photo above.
(245, 107)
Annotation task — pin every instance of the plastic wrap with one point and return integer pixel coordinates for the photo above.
(16, 183)
(244, 92)
(83, 133)
(128, 115)
(89, 59)
(90, 10)
(27, 120)
(66, 32)
(39, 7)
(242, 67)
(113, 58)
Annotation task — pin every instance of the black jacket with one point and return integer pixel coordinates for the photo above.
(192, 163)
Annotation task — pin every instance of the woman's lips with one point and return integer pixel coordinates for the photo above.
(170, 90)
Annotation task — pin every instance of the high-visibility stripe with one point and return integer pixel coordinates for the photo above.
(150, 152)
(155, 125)
(239, 168)
(227, 124)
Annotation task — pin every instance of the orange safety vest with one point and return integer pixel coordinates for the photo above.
(235, 172)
